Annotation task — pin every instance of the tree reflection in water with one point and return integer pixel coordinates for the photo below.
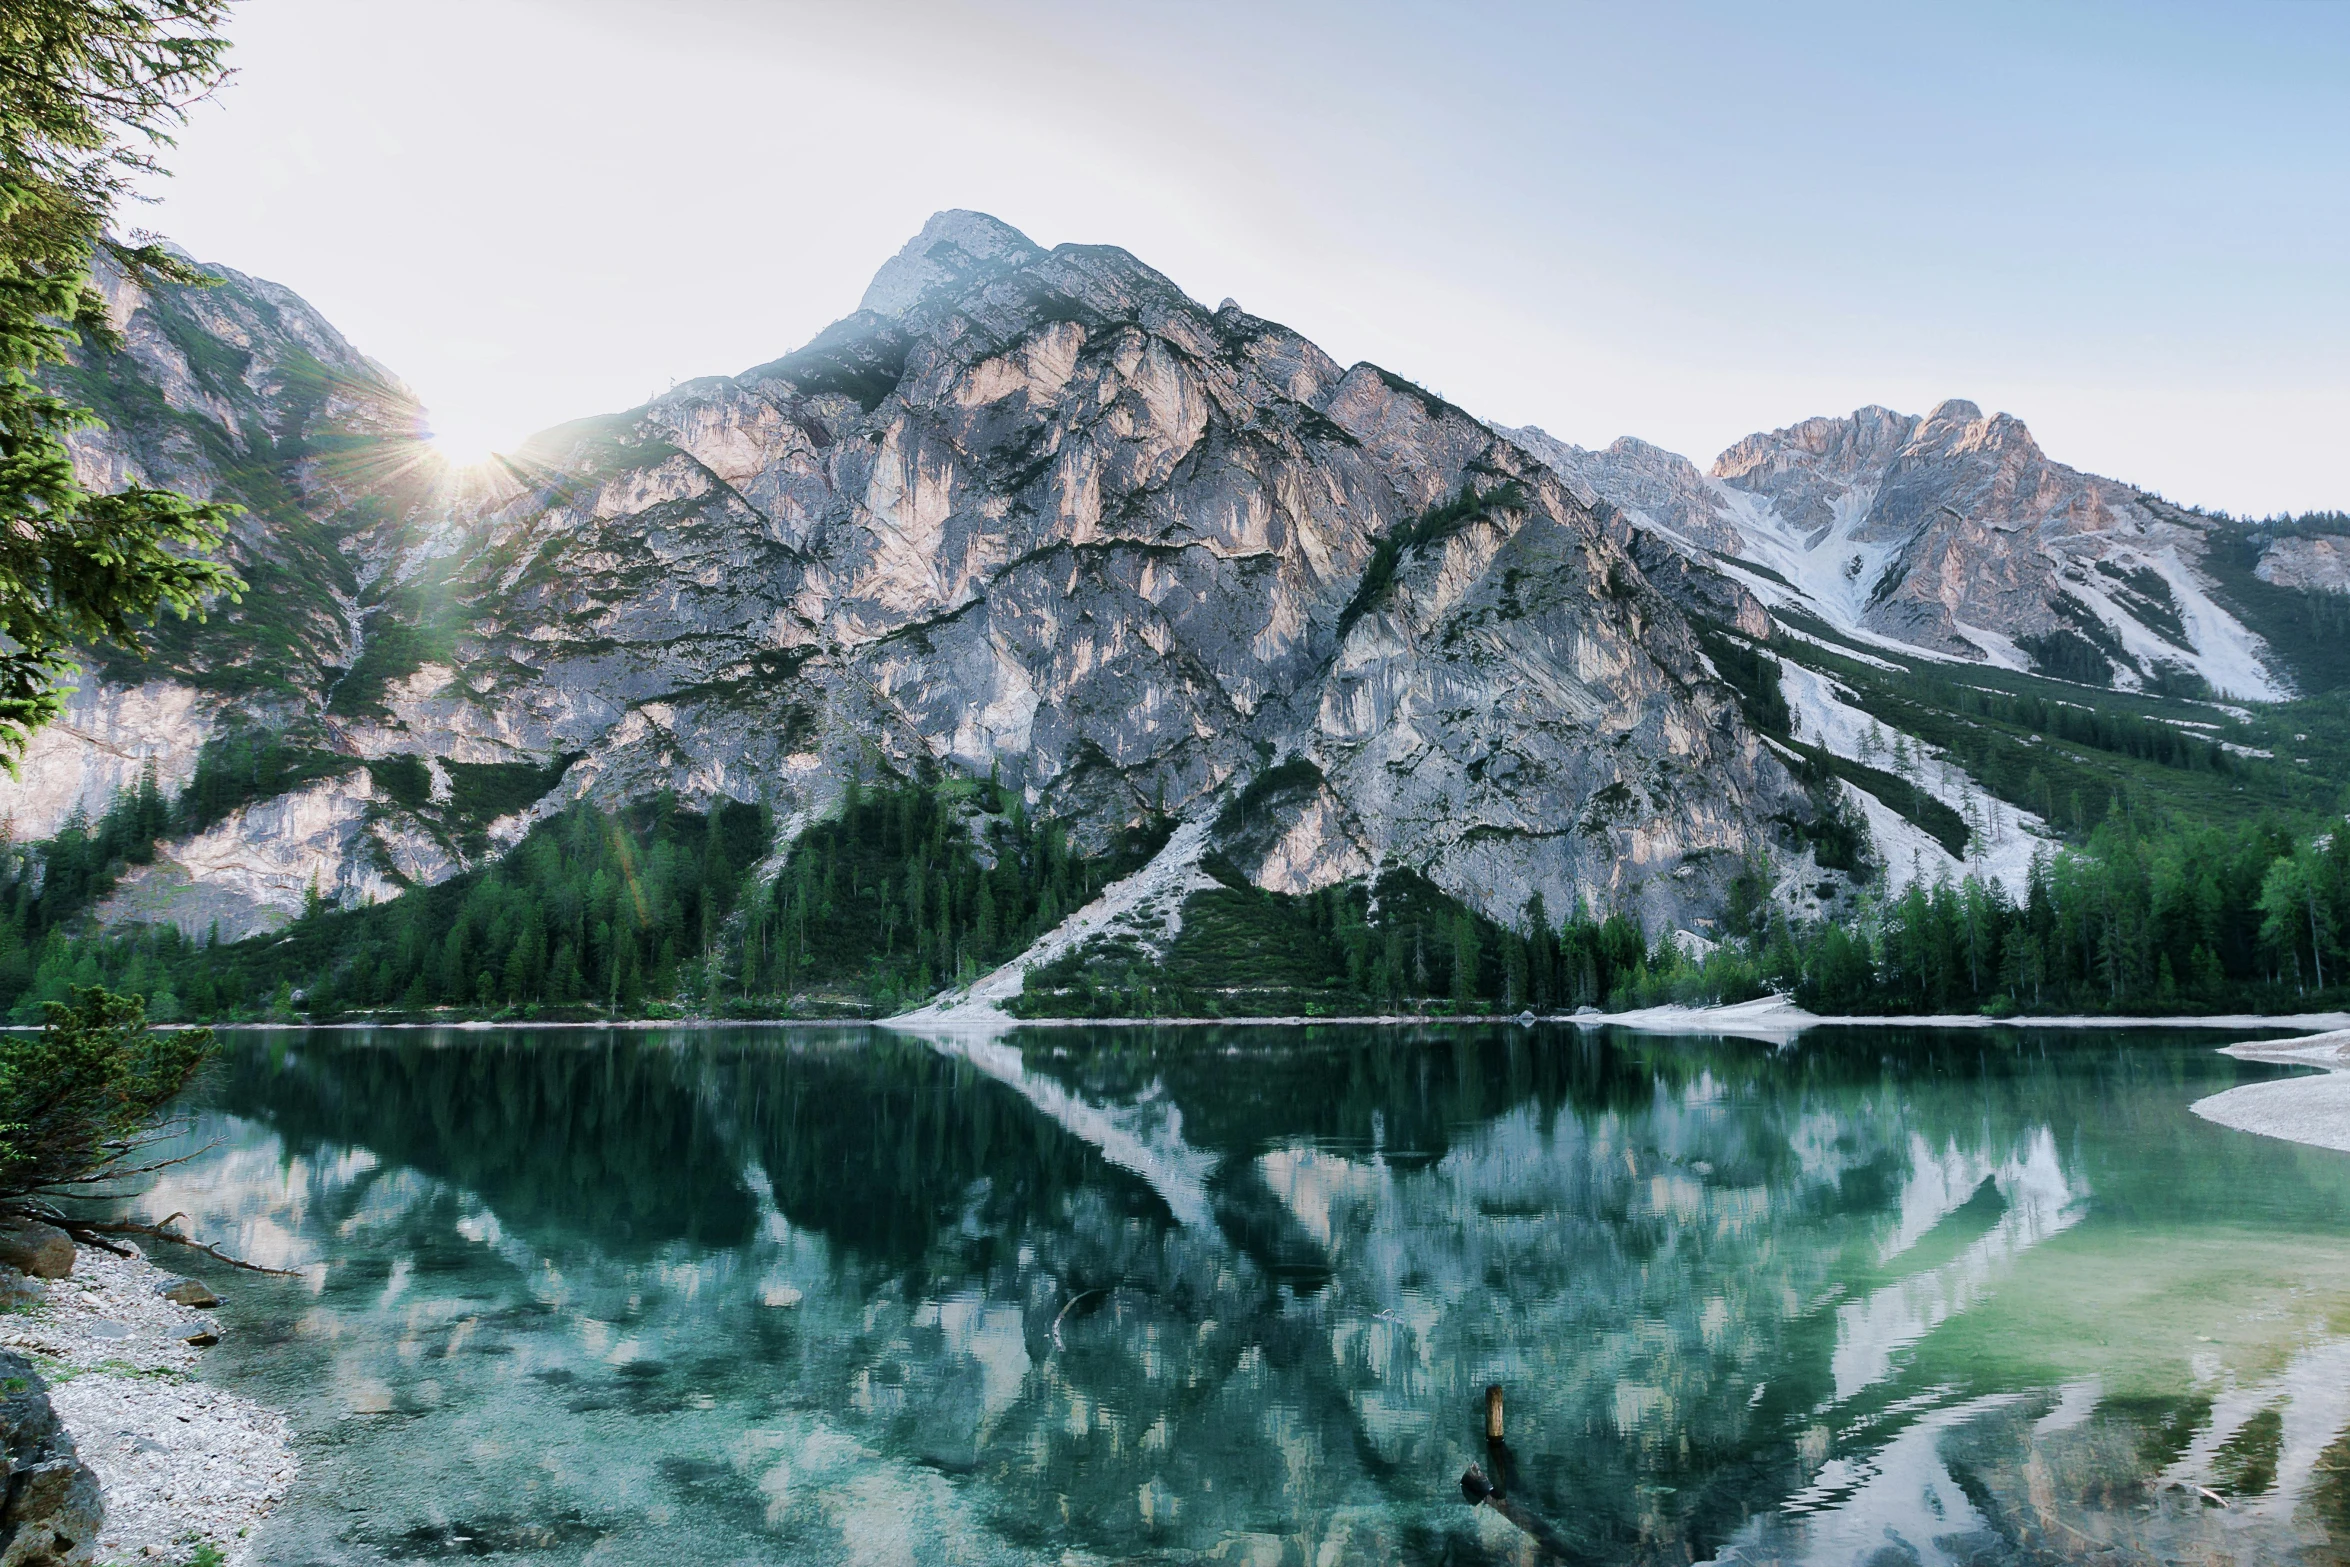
(843, 1294)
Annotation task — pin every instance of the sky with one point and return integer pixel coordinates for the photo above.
(2128, 225)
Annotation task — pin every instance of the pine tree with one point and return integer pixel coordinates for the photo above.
(89, 84)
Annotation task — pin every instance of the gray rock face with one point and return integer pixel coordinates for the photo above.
(1661, 491)
(1952, 533)
(243, 393)
(1028, 512)
(2317, 563)
(1053, 519)
(51, 1509)
(954, 248)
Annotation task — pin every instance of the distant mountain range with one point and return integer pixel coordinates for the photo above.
(1952, 534)
(1035, 514)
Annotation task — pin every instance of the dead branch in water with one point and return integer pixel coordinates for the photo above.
(95, 1230)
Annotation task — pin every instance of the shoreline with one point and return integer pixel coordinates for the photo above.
(180, 1461)
(1772, 1016)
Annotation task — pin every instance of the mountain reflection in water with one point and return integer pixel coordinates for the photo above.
(1233, 1294)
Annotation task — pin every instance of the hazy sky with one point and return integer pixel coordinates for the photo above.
(2127, 224)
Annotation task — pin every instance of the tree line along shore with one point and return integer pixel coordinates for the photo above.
(654, 910)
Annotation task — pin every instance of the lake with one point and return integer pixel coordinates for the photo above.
(1234, 1294)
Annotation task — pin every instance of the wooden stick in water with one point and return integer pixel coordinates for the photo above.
(1493, 1413)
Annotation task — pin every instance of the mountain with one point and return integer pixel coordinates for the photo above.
(1030, 514)
(1179, 650)
(1956, 536)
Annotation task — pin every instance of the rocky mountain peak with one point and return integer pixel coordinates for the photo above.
(1954, 533)
(1818, 456)
(954, 248)
(1958, 426)
(1657, 489)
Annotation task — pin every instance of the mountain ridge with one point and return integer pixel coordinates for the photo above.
(1953, 533)
(1036, 517)
(1046, 519)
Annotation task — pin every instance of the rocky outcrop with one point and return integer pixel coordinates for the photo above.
(106, 738)
(2313, 563)
(1660, 491)
(1525, 714)
(51, 1509)
(241, 392)
(260, 868)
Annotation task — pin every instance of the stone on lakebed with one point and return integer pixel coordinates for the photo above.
(188, 1292)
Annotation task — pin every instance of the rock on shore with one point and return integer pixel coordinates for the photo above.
(50, 1510)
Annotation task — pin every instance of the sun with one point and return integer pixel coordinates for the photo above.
(459, 444)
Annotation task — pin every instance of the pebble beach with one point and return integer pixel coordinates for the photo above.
(182, 1464)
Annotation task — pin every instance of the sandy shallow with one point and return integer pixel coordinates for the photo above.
(182, 1463)
(2305, 1109)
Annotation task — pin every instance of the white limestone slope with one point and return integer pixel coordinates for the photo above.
(106, 737)
(1146, 906)
(2002, 839)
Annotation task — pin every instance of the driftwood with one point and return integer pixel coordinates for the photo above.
(95, 1232)
(1064, 1311)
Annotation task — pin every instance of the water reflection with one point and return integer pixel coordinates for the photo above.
(839, 1295)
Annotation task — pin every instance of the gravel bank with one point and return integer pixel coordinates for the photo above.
(182, 1463)
(2304, 1109)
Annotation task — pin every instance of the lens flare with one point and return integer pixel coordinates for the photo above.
(461, 448)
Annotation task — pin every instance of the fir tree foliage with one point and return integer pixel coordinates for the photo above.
(87, 89)
(76, 1095)
(1397, 944)
(642, 911)
(618, 912)
(916, 886)
(2208, 918)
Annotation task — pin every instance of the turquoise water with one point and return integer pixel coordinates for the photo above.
(835, 1295)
